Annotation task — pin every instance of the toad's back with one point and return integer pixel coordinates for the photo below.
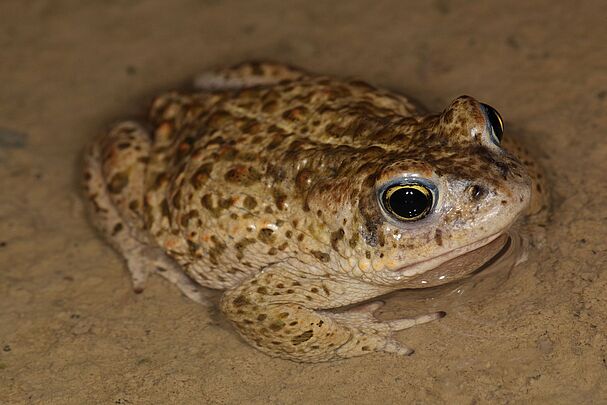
(243, 162)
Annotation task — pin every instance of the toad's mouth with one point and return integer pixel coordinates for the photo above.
(454, 264)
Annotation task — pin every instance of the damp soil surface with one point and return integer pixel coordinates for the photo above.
(73, 332)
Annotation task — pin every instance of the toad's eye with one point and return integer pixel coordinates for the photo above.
(495, 122)
(408, 202)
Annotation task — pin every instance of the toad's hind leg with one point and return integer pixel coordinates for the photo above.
(246, 74)
(280, 312)
(114, 176)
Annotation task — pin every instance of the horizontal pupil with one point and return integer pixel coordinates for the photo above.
(409, 202)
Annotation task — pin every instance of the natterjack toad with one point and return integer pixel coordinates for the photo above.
(298, 194)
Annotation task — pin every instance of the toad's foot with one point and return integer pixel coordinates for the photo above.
(143, 260)
(380, 333)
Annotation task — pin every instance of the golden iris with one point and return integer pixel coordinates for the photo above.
(408, 202)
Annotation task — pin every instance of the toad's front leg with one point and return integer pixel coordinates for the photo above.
(114, 173)
(277, 312)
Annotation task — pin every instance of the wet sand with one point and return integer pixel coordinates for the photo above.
(73, 332)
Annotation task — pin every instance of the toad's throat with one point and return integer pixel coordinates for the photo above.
(455, 264)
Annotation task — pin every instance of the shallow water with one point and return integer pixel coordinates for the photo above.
(72, 331)
(457, 297)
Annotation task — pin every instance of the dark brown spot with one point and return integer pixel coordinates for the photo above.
(193, 247)
(248, 157)
(381, 238)
(304, 337)
(295, 114)
(241, 245)
(261, 317)
(227, 153)
(279, 199)
(217, 250)
(225, 203)
(118, 182)
(438, 237)
(262, 290)
(183, 148)
(202, 175)
(334, 130)
(186, 218)
(250, 126)
(326, 290)
(353, 242)
(277, 325)
(250, 202)
(266, 235)
(336, 237)
(207, 202)
(275, 143)
(269, 107)
(219, 119)
(160, 179)
(323, 257)
(243, 175)
(117, 228)
(176, 200)
(447, 117)
(240, 301)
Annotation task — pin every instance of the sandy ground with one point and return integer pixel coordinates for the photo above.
(72, 331)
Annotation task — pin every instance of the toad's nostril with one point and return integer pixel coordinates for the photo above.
(477, 192)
